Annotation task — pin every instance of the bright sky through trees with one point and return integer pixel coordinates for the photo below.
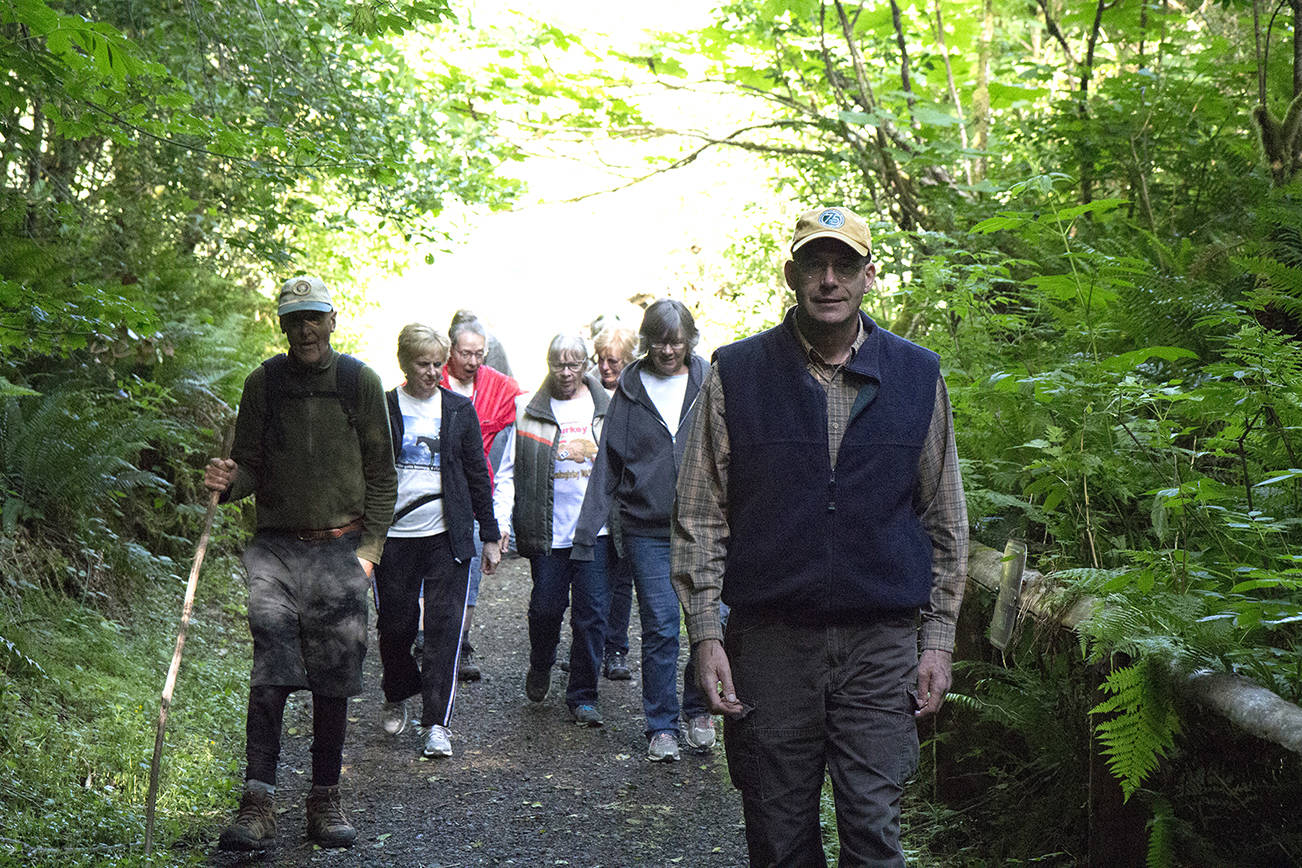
(553, 264)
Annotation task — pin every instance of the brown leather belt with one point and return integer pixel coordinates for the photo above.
(328, 533)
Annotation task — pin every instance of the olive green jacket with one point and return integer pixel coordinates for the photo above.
(312, 469)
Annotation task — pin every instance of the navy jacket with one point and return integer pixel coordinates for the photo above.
(809, 541)
(637, 464)
(467, 490)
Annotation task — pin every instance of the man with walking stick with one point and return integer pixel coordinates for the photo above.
(312, 445)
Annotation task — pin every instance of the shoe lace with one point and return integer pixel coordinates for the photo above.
(331, 811)
(252, 810)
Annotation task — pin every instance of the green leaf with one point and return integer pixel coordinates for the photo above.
(1133, 359)
(934, 117)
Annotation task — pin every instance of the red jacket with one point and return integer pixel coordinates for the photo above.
(494, 400)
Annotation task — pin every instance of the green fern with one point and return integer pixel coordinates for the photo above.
(68, 455)
(1161, 847)
(1144, 727)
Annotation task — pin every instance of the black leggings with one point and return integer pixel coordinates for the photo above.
(262, 731)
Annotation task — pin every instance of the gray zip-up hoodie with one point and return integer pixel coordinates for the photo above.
(637, 462)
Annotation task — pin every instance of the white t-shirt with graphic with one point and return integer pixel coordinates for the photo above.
(667, 393)
(575, 452)
(419, 466)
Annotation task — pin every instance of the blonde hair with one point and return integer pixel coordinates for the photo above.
(621, 340)
(415, 339)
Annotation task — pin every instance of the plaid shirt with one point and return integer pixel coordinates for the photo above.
(700, 525)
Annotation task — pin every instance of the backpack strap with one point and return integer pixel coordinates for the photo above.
(277, 388)
(347, 374)
(415, 505)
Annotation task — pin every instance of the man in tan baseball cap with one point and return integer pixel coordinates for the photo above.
(312, 446)
(819, 496)
(839, 223)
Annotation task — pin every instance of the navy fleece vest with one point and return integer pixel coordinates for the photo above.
(810, 542)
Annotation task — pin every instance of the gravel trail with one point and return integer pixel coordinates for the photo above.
(524, 786)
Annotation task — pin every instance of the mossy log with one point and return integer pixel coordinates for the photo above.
(1244, 703)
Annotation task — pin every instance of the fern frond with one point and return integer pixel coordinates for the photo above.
(1161, 848)
(1144, 727)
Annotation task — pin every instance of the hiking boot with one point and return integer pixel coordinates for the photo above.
(393, 717)
(438, 741)
(326, 823)
(700, 733)
(254, 826)
(467, 668)
(663, 747)
(536, 684)
(615, 667)
(586, 715)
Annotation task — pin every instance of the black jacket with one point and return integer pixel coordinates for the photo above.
(637, 462)
(467, 490)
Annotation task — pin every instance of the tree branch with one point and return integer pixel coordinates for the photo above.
(910, 215)
(906, 79)
(1055, 32)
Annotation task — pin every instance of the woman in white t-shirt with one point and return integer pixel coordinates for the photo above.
(443, 487)
(636, 471)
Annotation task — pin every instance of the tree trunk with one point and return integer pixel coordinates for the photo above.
(1087, 73)
(981, 99)
(953, 90)
(1297, 48)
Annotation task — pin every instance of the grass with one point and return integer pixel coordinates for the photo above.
(78, 713)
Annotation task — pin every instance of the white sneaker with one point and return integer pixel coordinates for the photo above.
(663, 747)
(393, 717)
(438, 741)
(700, 732)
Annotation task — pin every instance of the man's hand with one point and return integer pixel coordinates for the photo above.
(367, 567)
(505, 545)
(934, 680)
(714, 674)
(491, 557)
(219, 474)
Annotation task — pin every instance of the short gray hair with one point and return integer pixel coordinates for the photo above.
(461, 325)
(567, 343)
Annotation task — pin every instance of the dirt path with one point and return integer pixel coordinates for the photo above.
(524, 786)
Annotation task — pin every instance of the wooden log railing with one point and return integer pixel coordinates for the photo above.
(1241, 701)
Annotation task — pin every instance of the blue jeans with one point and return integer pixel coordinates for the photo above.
(621, 606)
(659, 610)
(555, 578)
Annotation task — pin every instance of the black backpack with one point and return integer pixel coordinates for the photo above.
(279, 389)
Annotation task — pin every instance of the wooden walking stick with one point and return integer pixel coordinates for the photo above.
(170, 684)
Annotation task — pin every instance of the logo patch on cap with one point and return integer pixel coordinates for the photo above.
(301, 287)
(831, 218)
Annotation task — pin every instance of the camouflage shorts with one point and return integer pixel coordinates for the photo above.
(307, 613)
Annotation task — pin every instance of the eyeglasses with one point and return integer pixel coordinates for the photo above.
(557, 367)
(470, 356)
(844, 269)
(660, 346)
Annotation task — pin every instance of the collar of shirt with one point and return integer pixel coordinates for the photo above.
(817, 364)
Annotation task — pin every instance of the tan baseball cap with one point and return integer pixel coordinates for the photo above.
(839, 223)
(303, 293)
